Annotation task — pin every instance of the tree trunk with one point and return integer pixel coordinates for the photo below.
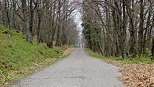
(31, 17)
(152, 50)
(141, 30)
(26, 22)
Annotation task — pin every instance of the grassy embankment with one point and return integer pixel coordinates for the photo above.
(126, 60)
(18, 58)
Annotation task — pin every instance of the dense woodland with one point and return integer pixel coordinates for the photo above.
(119, 27)
(110, 27)
(47, 21)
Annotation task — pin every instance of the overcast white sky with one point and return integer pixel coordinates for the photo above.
(77, 19)
(77, 16)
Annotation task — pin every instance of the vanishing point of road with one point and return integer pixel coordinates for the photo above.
(77, 70)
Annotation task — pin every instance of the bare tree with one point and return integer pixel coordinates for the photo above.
(125, 30)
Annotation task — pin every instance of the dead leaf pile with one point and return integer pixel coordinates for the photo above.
(38, 64)
(68, 51)
(138, 75)
(50, 59)
(117, 63)
(135, 75)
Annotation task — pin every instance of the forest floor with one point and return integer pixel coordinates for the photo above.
(18, 58)
(136, 73)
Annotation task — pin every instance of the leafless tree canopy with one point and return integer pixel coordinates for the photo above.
(111, 27)
(119, 27)
(50, 21)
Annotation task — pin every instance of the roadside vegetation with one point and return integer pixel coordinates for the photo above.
(19, 58)
(136, 60)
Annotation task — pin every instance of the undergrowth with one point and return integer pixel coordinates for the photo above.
(142, 59)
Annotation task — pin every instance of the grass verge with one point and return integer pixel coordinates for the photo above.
(127, 60)
(19, 58)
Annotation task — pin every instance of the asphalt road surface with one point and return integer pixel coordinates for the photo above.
(77, 70)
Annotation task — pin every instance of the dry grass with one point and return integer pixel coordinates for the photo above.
(50, 60)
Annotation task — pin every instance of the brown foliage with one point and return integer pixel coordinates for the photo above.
(135, 75)
(138, 75)
(68, 51)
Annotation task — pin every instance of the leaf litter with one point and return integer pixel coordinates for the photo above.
(135, 75)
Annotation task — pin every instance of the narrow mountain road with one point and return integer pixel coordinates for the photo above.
(77, 70)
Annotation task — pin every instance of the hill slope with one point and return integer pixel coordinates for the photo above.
(19, 58)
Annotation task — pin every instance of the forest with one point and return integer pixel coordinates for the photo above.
(119, 27)
(110, 27)
(47, 21)
(100, 43)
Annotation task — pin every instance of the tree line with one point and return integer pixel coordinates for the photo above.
(47, 21)
(119, 27)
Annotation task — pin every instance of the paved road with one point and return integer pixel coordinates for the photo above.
(77, 70)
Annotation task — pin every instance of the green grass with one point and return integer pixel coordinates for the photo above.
(128, 60)
(17, 56)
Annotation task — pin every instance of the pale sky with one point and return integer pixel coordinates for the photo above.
(77, 16)
(77, 19)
